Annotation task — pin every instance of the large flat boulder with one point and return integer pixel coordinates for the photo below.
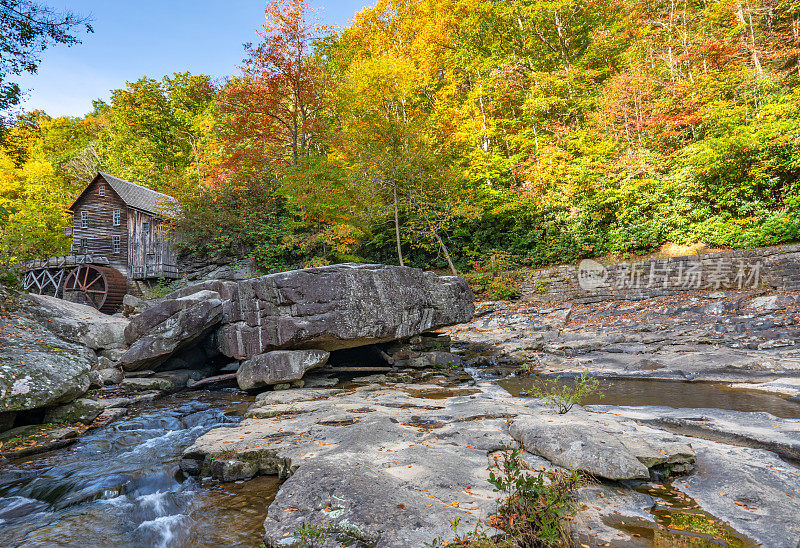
(37, 369)
(382, 465)
(340, 306)
(608, 447)
(76, 322)
(278, 366)
(193, 319)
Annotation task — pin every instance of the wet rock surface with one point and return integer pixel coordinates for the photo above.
(757, 430)
(371, 450)
(116, 486)
(754, 490)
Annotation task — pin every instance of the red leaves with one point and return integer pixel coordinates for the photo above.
(269, 115)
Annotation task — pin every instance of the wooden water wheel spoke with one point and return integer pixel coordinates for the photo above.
(105, 290)
(99, 277)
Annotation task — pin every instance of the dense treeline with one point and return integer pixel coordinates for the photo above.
(441, 132)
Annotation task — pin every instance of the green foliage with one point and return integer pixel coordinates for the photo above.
(534, 507)
(505, 287)
(493, 274)
(311, 536)
(536, 503)
(10, 274)
(562, 396)
(159, 289)
(470, 134)
(154, 129)
(26, 29)
(32, 197)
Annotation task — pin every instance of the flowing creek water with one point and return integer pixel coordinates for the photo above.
(120, 485)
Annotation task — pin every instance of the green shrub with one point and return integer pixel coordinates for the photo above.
(159, 289)
(533, 511)
(493, 273)
(536, 504)
(311, 536)
(505, 287)
(563, 396)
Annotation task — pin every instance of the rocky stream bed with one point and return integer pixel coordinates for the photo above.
(696, 443)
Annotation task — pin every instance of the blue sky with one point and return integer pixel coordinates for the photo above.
(135, 38)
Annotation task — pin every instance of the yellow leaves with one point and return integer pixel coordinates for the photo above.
(423, 31)
(378, 83)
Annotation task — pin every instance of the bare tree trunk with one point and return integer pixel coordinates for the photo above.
(397, 225)
(669, 41)
(796, 34)
(294, 138)
(562, 40)
(748, 35)
(685, 41)
(484, 137)
(446, 254)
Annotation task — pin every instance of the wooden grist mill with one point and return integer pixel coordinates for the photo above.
(120, 235)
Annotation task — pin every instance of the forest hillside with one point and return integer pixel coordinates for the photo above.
(439, 133)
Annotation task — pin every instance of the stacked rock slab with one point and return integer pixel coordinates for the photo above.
(278, 366)
(340, 306)
(281, 325)
(168, 327)
(332, 308)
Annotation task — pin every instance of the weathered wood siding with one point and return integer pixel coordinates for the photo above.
(150, 253)
(99, 234)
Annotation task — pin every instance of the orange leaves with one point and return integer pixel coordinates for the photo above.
(275, 103)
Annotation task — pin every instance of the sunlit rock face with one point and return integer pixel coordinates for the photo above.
(339, 306)
(315, 309)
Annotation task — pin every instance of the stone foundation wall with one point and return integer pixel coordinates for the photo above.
(773, 267)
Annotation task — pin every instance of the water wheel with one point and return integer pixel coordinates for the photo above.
(99, 286)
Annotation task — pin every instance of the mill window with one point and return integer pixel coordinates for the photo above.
(102, 190)
(145, 227)
(84, 219)
(84, 244)
(117, 216)
(115, 241)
